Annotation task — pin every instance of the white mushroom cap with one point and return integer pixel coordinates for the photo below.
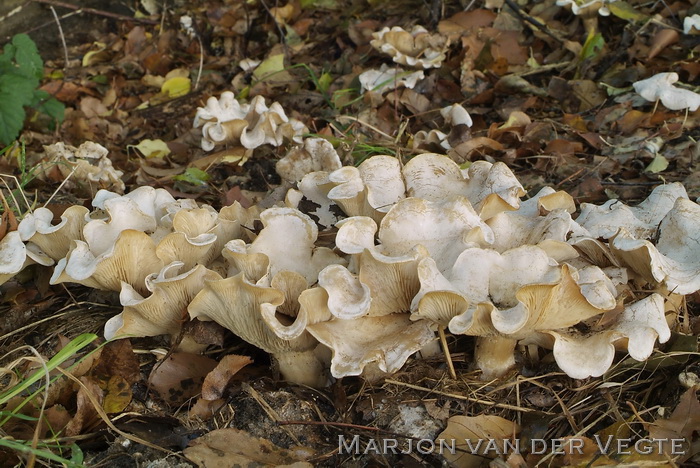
(13, 254)
(54, 240)
(660, 87)
(388, 78)
(675, 259)
(130, 259)
(164, 310)
(456, 115)
(386, 341)
(691, 23)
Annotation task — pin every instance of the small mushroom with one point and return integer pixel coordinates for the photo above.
(225, 120)
(415, 48)
(87, 166)
(388, 78)
(54, 240)
(660, 87)
(315, 154)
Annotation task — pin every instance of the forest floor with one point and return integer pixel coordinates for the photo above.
(549, 93)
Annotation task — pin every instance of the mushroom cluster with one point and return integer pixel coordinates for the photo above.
(359, 267)
(227, 121)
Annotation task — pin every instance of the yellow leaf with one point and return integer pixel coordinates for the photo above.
(118, 395)
(658, 164)
(176, 87)
(152, 148)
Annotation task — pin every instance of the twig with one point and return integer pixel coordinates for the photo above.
(63, 38)
(529, 19)
(94, 11)
(462, 397)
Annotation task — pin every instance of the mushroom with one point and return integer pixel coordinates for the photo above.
(640, 221)
(415, 48)
(491, 188)
(675, 259)
(165, 309)
(54, 240)
(370, 189)
(225, 120)
(286, 243)
(385, 79)
(315, 154)
(236, 303)
(199, 237)
(660, 87)
(586, 8)
(87, 165)
(129, 259)
(13, 256)
(691, 24)
(583, 355)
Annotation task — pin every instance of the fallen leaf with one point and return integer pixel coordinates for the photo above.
(118, 395)
(176, 87)
(229, 448)
(472, 436)
(179, 377)
(662, 39)
(217, 380)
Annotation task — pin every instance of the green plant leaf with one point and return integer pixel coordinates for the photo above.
(27, 57)
(625, 11)
(43, 102)
(193, 176)
(593, 45)
(15, 93)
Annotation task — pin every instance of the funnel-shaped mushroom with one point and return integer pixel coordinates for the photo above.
(165, 310)
(385, 341)
(370, 189)
(675, 259)
(416, 48)
(316, 154)
(235, 303)
(225, 120)
(54, 240)
(287, 241)
(491, 188)
(591, 354)
(640, 221)
(130, 259)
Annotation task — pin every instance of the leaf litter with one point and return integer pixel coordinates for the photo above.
(549, 92)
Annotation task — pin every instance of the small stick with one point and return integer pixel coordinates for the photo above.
(463, 397)
(63, 38)
(94, 11)
(446, 350)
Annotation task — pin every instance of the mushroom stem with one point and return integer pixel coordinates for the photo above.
(302, 367)
(494, 355)
(446, 350)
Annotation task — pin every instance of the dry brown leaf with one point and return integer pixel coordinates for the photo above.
(179, 377)
(662, 39)
(464, 21)
(684, 420)
(205, 409)
(216, 381)
(228, 448)
(117, 358)
(85, 414)
(472, 436)
(464, 151)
